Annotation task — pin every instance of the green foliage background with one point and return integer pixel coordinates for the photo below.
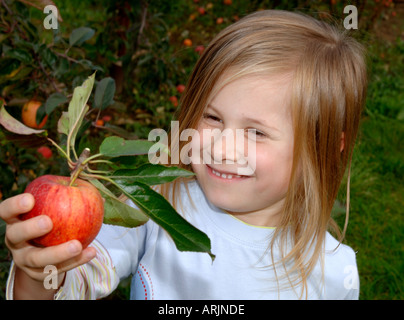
(140, 45)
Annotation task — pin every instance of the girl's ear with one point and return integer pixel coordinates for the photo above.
(342, 142)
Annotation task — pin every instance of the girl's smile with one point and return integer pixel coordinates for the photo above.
(225, 176)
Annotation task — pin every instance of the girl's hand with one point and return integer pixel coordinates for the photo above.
(30, 260)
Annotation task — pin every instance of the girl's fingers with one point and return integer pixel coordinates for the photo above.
(12, 207)
(20, 232)
(65, 256)
(85, 256)
(35, 257)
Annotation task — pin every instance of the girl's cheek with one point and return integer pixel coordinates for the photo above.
(248, 161)
(261, 158)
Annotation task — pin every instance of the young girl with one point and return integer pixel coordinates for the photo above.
(296, 86)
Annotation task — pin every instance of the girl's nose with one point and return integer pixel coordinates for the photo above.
(229, 146)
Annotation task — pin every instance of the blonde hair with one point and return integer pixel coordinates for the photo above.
(328, 92)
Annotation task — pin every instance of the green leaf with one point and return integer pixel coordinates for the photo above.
(87, 64)
(19, 54)
(54, 100)
(63, 124)
(9, 67)
(2, 228)
(47, 56)
(118, 213)
(400, 115)
(13, 125)
(80, 35)
(22, 73)
(120, 131)
(150, 174)
(185, 236)
(78, 107)
(104, 93)
(40, 114)
(116, 147)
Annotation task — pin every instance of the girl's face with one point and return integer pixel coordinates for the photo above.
(261, 107)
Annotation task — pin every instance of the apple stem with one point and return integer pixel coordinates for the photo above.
(80, 166)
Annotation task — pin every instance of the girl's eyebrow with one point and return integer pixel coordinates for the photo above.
(212, 107)
(248, 119)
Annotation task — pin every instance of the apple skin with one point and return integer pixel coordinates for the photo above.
(77, 212)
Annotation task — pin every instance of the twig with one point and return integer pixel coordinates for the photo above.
(80, 166)
(51, 80)
(66, 57)
(142, 24)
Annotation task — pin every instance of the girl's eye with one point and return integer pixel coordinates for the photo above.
(211, 117)
(257, 133)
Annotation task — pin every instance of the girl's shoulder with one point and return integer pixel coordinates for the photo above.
(334, 248)
(340, 270)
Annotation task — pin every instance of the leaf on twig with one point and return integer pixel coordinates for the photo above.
(116, 147)
(15, 126)
(80, 35)
(19, 54)
(54, 100)
(150, 174)
(63, 124)
(77, 109)
(104, 93)
(118, 213)
(185, 236)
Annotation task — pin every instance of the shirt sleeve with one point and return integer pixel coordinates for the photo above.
(93, 280)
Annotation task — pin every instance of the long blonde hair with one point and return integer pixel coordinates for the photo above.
(328, 92)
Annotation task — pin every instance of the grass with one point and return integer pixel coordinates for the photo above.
(376, 219)
(376, 226)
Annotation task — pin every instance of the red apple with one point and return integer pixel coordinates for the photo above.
(174, 100)
(201, 10)
(199, 49)
(107, 118)
(76, 211)
(180, 88)
(45, 151)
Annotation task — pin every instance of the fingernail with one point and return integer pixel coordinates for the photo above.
(89, 255)
(25, 201)
(43, 223)
(73, 248)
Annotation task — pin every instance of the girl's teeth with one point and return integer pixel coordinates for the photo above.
(225, 176)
